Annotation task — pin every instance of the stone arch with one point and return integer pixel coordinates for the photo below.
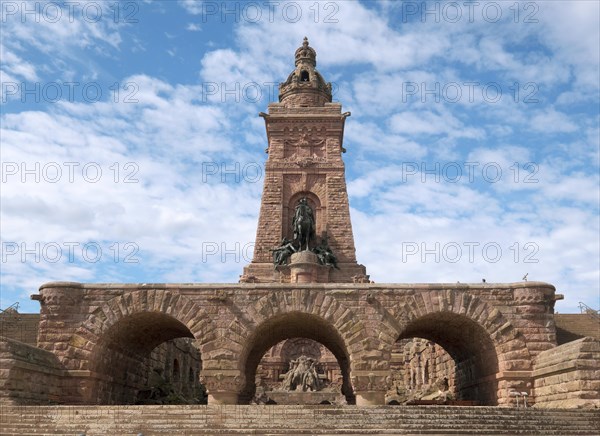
(468, 344)
(301, 313)
(465, 325)
(289, 325)
(132, 325)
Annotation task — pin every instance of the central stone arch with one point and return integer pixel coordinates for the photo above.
(115, 338)
(301, 313)
(287, 326)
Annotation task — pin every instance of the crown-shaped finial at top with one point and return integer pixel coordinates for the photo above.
(306, 54)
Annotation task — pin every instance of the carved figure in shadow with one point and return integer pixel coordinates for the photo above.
(303, 224)
(325, 255)
(302, 374)
(283, 252)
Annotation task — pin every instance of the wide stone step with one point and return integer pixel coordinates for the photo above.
(280, 420)
(357, 431)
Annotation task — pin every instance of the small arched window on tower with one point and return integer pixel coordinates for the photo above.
(304, 77)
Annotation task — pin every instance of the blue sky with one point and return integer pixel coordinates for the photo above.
(132, 149)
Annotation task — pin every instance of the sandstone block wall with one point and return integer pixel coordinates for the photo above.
(419, 368)
(180, 365)
(28, 375)
(569, 375)
(492, 331)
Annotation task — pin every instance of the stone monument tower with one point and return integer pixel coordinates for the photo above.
(96, 341)
(305, 133)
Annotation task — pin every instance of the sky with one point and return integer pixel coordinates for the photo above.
(132, 150)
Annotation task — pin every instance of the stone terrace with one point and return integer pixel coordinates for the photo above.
(280, 420)
(97, 330)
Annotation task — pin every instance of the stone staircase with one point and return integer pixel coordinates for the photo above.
(22, 327)
(292, 420)
(573, 326)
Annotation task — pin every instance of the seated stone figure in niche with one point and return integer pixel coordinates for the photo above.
(283, 252)
(302, 374)
(325, 255)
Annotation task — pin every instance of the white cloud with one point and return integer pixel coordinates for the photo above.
(371, 140)
(426, 232)
(535, 68)
(58, 39)
(174, 210)
(16, 66)
(430, 123)
(377, 94)
(194, 7)
(178, 204)
(571, 30)
(193, 27)
(80, 26)
(506, 168)
(551, 121)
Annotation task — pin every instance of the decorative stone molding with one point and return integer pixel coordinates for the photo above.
(372, 381)
(222, 380)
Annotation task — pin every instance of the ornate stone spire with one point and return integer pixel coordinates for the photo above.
(305, 87)
(306, 55)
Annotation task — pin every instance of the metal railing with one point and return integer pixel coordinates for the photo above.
(588, 310)
(12, 306)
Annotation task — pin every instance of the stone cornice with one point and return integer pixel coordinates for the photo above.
(284, 286)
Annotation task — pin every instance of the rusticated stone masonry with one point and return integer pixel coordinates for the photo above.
(95, 329)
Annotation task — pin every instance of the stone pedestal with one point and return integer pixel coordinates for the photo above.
(223, 398)
(370, 398)
(304, 267)
(222, 385)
